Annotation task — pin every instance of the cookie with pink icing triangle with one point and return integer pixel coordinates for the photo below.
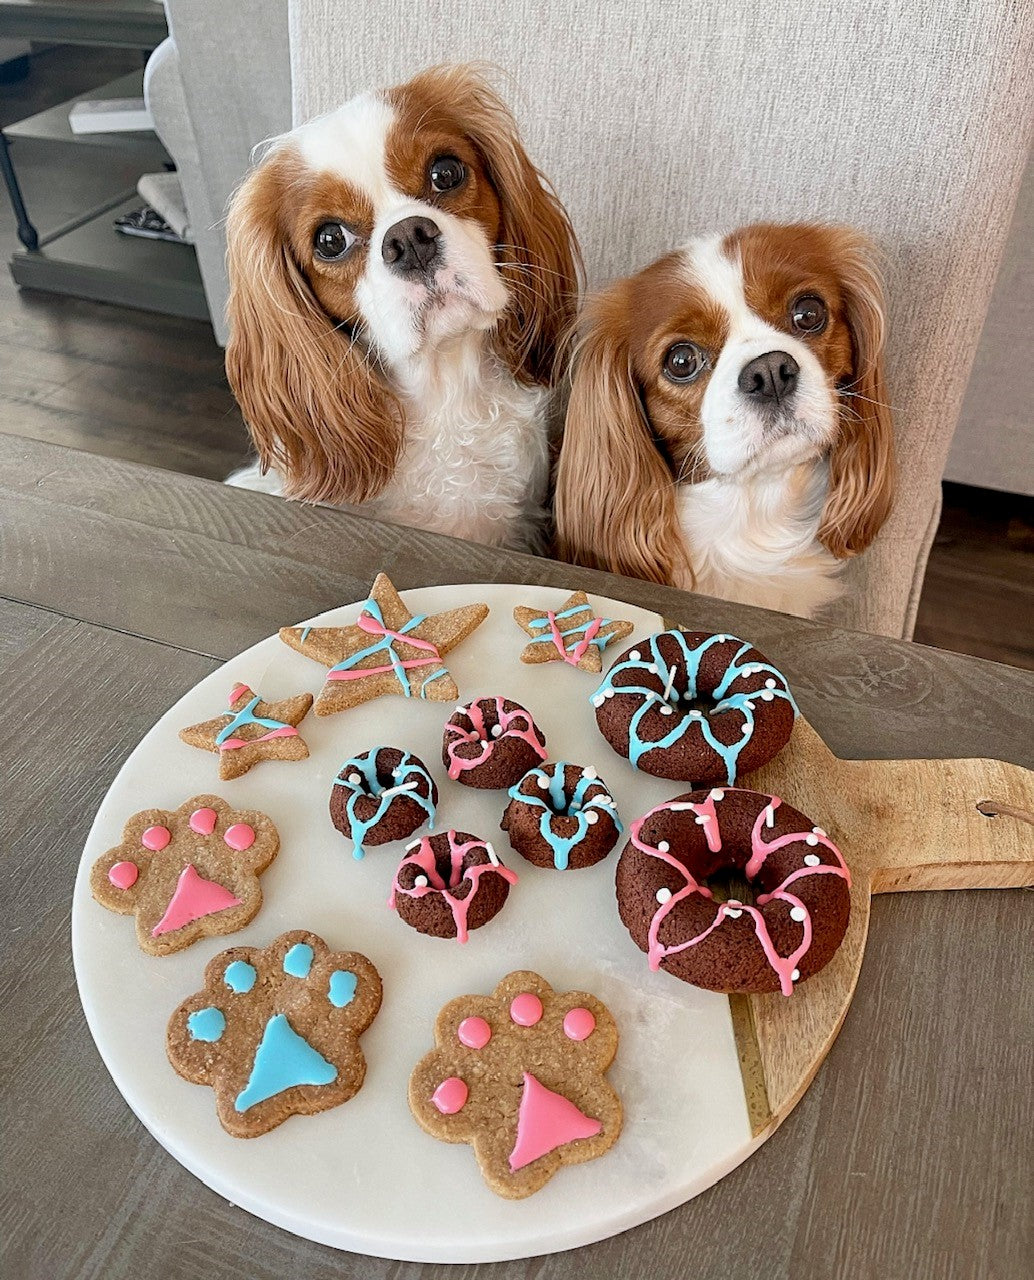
(187, 873)
(520, 1076)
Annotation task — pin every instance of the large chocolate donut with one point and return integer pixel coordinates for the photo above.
(799, 917)
(696, 707)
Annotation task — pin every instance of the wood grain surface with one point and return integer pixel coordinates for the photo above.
(120, 587)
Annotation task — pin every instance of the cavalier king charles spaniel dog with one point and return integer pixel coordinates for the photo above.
(400, 277)
(728, 429)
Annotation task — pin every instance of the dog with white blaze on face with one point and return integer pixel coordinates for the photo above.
(728, 429)
(400, 277)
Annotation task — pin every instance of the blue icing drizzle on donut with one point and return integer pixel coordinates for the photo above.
(692, 655)
(408, 770)
(560, 806)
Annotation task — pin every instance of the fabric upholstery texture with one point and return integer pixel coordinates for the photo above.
(658, 120)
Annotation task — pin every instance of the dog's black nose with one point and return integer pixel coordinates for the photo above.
(772, 376)
(410, 247)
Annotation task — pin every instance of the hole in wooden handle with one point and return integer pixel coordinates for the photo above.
(993, 809)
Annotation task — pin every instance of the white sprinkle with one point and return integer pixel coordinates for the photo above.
(670, 683)
(413, 844)
(663, 895)
(795, 976)
(663, 847)
(461, 711)
(354, 778)
(420, 882)
(634, 656)
(394, 791)
(811, 860)
(770, 684)
(590, 773)
(497, 730)
(769, 815)
(597, 700)
(746, 728)
(749, 705)
(798, 914)
(604, 799)
(701, 819)
(734, 902)
(717, 795)
(818, 831)
(733, 913)
(722, 639)
(665, 709)
(395, 772)
(696, 715)
(591, 816)
(542, 780)
(609, 693)
(493, 857)
(812, 839)
(767, 695)
(652, 668)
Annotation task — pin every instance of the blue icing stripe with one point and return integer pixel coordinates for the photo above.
(560, 806)
(598, 640)
(386, 645)
(282, 1060)
(365, 767)
(206, 1024)
(247, 716)
(240, 976)
(692, 656)
(343, 983)
(298, 960)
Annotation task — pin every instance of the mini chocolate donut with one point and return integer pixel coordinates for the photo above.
(696, 707)
(561, 815)
(491, 744)
(450, 883)
(799, 917)
(382, 795)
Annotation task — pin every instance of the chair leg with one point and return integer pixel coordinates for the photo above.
(26, 231)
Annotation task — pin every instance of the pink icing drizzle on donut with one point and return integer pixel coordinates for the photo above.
(203, 821)
(156, 838)
(479, 733)
(579, 1024)
(450, 1096)
(783, 966)
(123, 875)
(423, 857)
(475, 1033)
(525, 1009)
(240, 836)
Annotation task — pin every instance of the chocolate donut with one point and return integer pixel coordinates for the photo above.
(696, 707)
(449, 884)
(382, 795)
(561, 815)
(491, 744)
(798, 920)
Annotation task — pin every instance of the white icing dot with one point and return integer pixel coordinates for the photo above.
(818, 831)
(591, 816)
(663, 847)
(609, 693)
(722, 639)
(717, 795)
(395, 772)
(497, 730)
(770, 684)
(665, 709)
(812, 839)
(597, 700)
(767, 696)
(652, 668)
(696, 715)
(663, 895)
(734, 902)
(732, 912)
(746, 729)
(354, 778)
(798, 914)
(701, 819)
(542, 780)
(634, 656)
(811, 860)
(461, 711)
(604, 799)
(590, 773)
(795, 976)
(749, 706)
(420, 882)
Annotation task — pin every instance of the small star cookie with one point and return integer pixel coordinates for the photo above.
(387, 651)
(572, 634)
(252, 730)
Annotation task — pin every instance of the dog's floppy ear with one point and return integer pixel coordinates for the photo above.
(862, 470)
(537, 250)
(316, 408)
(615, 497)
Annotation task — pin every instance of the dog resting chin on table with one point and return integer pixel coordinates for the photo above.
(400, 277)
(727, 430)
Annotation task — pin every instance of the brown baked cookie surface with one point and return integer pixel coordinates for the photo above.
(519, 1075)
(252, 731)
(187, 873)
(275, 1030)
(491, 744)
(801, 883)
(695, 706)
(449, 884)
(385, 794)
(562, 815)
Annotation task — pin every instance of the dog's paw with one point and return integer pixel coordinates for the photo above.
(519, 1075)
(275, 1030)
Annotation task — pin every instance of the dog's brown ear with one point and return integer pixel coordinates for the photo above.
(615, 497)
(317, 410)
(861, 464)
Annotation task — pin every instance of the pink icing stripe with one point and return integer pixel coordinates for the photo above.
(194, 897)
(423, 857)
(575, 654)
(231, 744)
(371, 626)
(760, 849)
(712, 831)
(479, 733)
(238, 691)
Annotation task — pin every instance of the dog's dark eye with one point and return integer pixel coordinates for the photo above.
(809, 314)
(332, 241)
(447, 173)
(684, 362)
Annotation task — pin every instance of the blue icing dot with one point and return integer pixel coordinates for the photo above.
(342, 987)
(298, 960)
(240, 976)
(206, 1024)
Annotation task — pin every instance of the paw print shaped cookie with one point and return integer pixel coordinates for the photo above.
(187, 873)
(275, 1030)
(519, 1075)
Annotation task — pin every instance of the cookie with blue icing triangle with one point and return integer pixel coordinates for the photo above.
(274, 1031)
(387, 651)
(574, 633)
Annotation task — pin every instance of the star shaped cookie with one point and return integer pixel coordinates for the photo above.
(388, 651)
(252, 730)
(571, 634)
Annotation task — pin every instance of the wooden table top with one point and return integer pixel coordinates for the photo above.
(122, 586)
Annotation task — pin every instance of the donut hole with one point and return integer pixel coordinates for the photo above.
(729, 884)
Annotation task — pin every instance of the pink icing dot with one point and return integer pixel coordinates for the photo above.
(450, 1096)
(123, 875)
(525, 1009)
(240, 836)
(203, 821)
(579, 1024)
(156, 838)
(475, 1033)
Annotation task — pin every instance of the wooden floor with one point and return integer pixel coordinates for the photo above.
(149, 388)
